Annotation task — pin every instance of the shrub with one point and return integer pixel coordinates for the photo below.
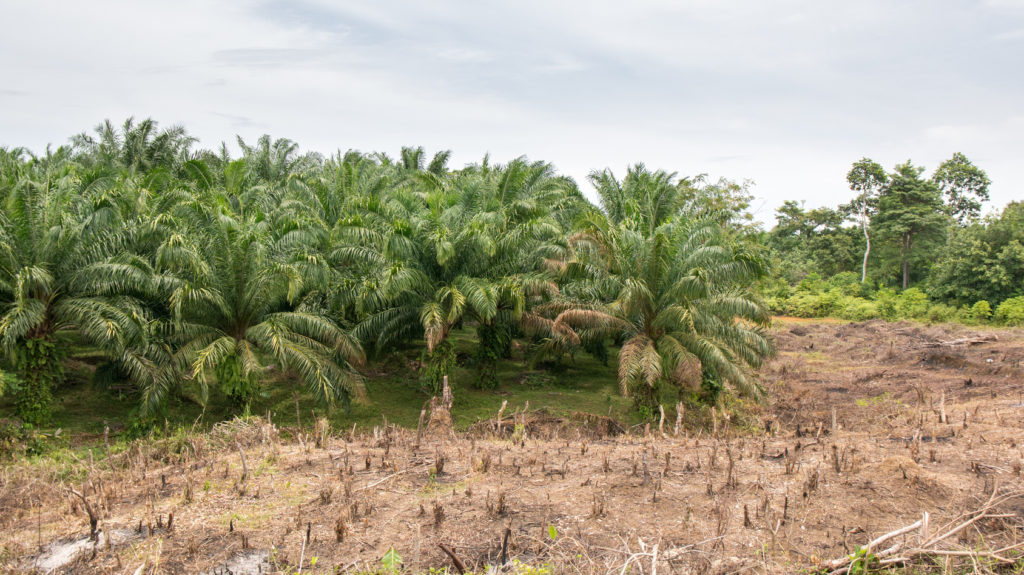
(980, 311)
(858, 309)
(804, 304)
(812, 283)
(963, 315)
(8, 383)
(775, 288)
(19, 439)
(1011, 311)
(832, 303)
(777, 305)
(912, 304)
(941, 313)
(885, 300)
(847, 282)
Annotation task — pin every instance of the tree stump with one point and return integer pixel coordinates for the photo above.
(440, 422)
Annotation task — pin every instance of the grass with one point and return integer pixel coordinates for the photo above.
(868, 401)
(779, 320)
(576, 385)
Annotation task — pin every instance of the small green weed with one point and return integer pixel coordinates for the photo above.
(876, 400)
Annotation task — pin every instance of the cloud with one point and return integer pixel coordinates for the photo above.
(786, 93)
(269, 57)
(239, 122)
(1009, 35)
(464, 55)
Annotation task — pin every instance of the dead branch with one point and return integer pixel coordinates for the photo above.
(393, 475)
(901, 552)
(93, 519)
(504, 547)
(459, 566)
(962, 341)
(501, 411)
(245, 468)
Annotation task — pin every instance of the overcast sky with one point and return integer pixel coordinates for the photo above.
(785, 93)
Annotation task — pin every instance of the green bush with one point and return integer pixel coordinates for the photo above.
(843, 296)
(8, 383)
(941, 313)
(980, 311)
(859, 309)
(812, 283)
(804, 304)
(847, 282)
(912, 304)
(776, 305)
(963, 315)
(19, 439)
(1011, 311)
(885, 300)
(827, 302)
(775, 288)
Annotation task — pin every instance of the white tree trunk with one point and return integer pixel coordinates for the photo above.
(867, 250)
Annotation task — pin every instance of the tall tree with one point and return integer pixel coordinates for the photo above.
(910, 213)
(964, 185)
(867, 178)
(983, 260)
(815, 239)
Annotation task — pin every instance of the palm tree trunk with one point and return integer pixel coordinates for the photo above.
(40, 369)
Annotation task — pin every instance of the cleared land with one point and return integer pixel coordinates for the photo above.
(868, 427)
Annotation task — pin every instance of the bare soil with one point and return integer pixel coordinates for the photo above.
(851, 444)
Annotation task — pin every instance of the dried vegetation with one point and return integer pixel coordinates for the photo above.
(882, 446)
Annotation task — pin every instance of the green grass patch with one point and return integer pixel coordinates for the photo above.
(581, 384)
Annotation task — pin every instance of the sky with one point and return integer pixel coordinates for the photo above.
(786, 94)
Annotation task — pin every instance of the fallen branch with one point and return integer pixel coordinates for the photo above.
(392, 476)
(963, 341)
(459, 566)
(901, 553)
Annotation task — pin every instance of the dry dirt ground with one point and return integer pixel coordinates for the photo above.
(850, 446)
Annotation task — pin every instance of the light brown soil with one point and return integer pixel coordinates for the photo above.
(765, 494)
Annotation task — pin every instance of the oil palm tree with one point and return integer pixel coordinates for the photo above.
(643, 199)
(65, 270)
(237, 296)
(414, 256)
(137, 147)
(675, 292)
(465, 246)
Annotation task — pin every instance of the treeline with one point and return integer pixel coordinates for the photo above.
(194, 272)
(905, 246)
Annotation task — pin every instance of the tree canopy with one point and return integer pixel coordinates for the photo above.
(197, 272)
